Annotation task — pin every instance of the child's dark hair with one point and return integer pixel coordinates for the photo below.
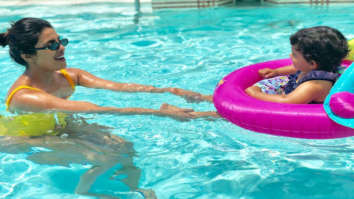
(22, 37)
(322, 44)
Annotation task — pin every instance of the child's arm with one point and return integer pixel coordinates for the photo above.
(269, 73)
(303, 94)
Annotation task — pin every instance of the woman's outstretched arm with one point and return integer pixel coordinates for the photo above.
(86, 79)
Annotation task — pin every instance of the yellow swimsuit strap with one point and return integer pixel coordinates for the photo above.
(9, 98)
(62, 71)
(67, 76)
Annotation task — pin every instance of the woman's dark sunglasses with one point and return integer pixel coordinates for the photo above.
(55, 45)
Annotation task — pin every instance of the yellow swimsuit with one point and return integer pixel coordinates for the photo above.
(35, 124)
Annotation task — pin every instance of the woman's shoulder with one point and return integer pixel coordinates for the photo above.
(72, 70)
(21, 81)
(72, 73)
(19, 91)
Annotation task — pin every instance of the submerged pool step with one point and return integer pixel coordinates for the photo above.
(161, 4)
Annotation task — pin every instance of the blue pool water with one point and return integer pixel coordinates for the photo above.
(191, 49)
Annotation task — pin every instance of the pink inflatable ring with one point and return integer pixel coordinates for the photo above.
(292, 120)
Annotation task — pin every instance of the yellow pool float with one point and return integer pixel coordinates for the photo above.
(351, 50)
(35, 124)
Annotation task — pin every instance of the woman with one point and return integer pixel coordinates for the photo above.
(47, 84)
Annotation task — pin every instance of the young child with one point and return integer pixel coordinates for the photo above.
(316, 54)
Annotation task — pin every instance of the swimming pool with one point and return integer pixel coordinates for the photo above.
(191, 49)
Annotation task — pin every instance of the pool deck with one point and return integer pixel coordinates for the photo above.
(162, 4)
(309, 1)
(63, 2)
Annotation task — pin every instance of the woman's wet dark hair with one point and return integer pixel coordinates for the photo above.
(22, 37)
(322, 44)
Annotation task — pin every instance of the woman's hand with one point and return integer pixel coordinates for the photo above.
(175, 112)
(190, 96)
(184, 114)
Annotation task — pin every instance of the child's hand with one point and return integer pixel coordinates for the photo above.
(268, 73)
(253, 91)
